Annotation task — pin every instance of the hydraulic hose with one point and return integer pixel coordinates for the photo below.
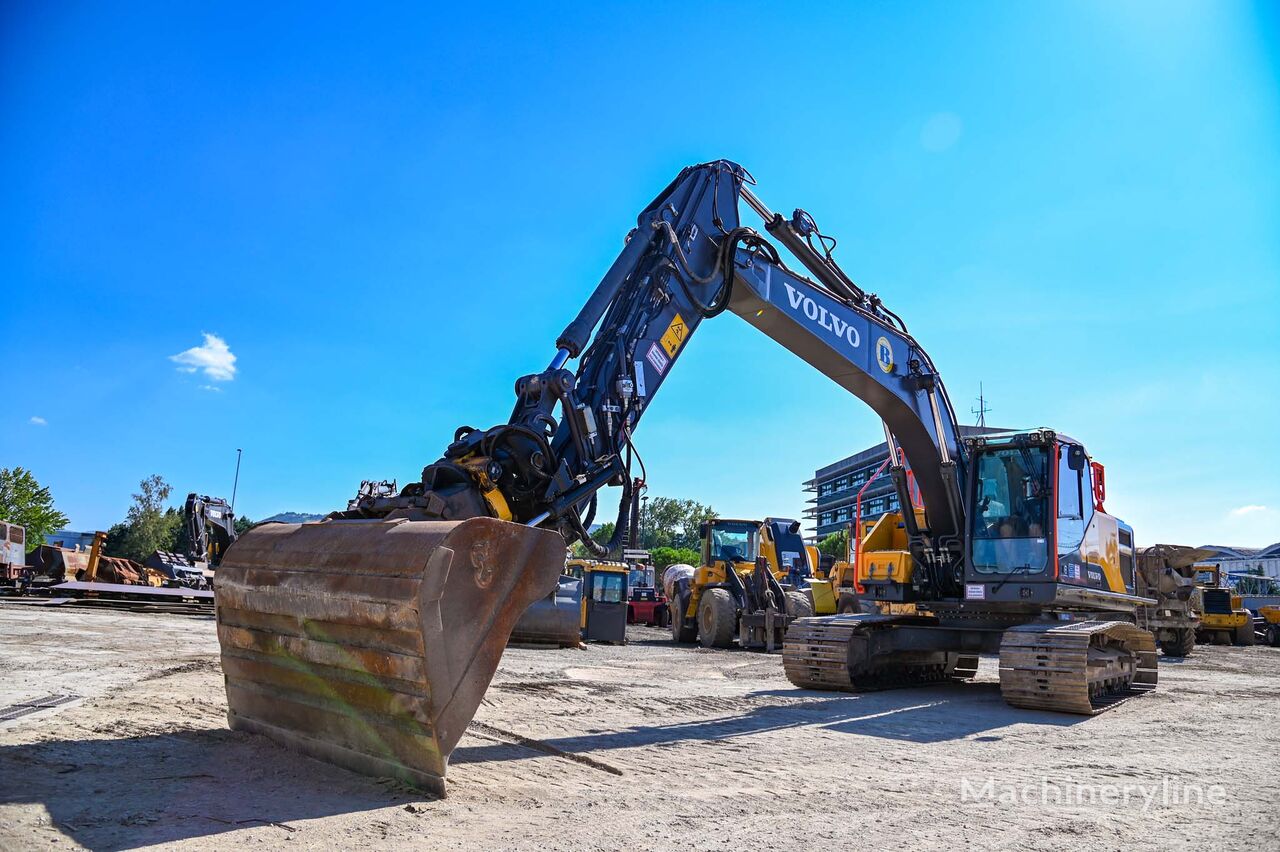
(576, 334)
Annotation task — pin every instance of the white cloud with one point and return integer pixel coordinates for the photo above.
(211, 388)
(38, 421)
(214, 358)
(1252, 525)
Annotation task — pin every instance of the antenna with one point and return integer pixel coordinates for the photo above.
(235, 485)
(982, 409)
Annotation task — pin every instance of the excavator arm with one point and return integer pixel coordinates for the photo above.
(368, 639)
(689, 259)
(211, 527)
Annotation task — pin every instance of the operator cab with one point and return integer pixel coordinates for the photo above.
(1038, 520)
(731, 541)
(604, 599)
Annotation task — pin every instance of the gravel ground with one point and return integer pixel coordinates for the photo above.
(645, 745)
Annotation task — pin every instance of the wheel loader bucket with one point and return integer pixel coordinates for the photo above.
(370, 643)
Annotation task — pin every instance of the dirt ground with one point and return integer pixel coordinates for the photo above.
(646, 745)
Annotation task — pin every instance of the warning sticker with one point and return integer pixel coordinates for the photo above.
(657, 358)
(673, 338)
(975, 591)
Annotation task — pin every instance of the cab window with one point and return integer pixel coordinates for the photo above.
(734, 542)
(608, 588)
(1071, 503)
(1075, 498)
(1010, 517)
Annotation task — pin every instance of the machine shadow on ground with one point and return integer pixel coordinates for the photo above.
(929, 715)
(115, 794)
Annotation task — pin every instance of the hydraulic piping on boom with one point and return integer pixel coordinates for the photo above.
(690, 259)
(445, 567)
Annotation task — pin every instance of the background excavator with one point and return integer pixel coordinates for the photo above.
(209, 529)
(369, 638)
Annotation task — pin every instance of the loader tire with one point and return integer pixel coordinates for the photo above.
(717, 619)
(848, 604)
(1184, 639)
(1273, 635)
(799, 605)
(1243, 635)
(681, 633)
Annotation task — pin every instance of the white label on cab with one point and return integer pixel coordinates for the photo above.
(975, 592)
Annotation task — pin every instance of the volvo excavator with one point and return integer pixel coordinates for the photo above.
(369, 638)
(210, 528)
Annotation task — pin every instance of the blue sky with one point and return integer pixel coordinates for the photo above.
(387, 216)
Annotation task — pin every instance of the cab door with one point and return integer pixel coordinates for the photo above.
(604, 599)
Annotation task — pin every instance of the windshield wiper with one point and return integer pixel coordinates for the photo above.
(1009, 576)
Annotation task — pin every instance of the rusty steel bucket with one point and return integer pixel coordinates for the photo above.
(370, 643)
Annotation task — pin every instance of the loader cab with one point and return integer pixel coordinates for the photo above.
(730, 541)
(1036, 519)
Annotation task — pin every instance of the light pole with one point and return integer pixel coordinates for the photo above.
(235, 485)
(644, 517)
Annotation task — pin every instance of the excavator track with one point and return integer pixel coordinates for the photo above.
(1085, 667)
(831, 653)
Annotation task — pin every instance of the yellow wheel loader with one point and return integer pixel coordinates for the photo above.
(1270, 616)
(877, 550)
(1223, 618)
(738, 591)
(369, 638)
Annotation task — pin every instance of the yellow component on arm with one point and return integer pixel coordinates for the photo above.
(478, 467)
(498, 503)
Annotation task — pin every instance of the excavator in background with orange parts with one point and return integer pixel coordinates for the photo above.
(369, 638)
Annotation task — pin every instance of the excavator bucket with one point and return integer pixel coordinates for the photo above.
(370, 643)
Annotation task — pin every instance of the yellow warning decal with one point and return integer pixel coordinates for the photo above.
(673, 338)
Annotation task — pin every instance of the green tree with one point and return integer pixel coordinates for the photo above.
(114, 545)
(601, 536)
(242, 525)
(148, 525)
(663, 557)
(672, 522)
(27, 503)
(835, 545)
